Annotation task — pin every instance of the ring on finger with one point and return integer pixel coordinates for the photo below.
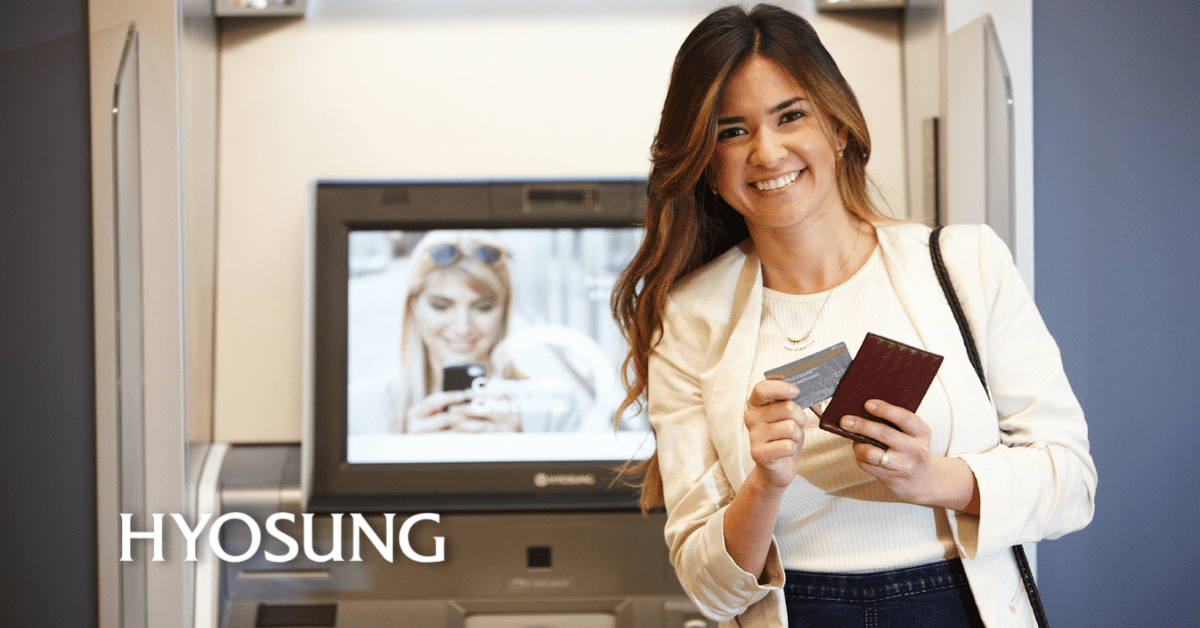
(883, 462)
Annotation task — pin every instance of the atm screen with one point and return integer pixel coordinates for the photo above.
(486, 345)
(463, 351)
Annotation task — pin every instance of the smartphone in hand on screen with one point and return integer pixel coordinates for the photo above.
(461, 376)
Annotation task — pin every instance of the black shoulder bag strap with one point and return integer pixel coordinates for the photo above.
(943, 276)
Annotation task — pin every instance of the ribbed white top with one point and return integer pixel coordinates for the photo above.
(835, 517)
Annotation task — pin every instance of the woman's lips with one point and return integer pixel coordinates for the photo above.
(461, 347)
(777, 182)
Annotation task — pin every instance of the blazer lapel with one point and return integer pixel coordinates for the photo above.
(911, 271)
(731, 362)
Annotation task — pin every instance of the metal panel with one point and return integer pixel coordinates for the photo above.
(174, 179)
(979, 144)
(120, 407)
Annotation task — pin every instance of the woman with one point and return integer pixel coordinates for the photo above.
(457, 309)
(761, 136)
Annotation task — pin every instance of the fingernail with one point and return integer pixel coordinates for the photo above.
(872, 406)
(848, 423)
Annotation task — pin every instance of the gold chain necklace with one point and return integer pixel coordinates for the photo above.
(806, 341)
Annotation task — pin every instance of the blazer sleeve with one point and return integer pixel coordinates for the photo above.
(1040, 481)
(696, 489)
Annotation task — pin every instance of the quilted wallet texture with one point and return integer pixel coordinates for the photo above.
(883, 369)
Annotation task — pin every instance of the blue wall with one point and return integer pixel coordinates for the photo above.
(1117, 230)
(47, 421)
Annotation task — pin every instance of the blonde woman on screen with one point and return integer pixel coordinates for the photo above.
(457, 308)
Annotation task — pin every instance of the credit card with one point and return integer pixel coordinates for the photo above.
(816, 376)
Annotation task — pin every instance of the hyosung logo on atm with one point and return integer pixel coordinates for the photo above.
(543, 480)
(361, 528)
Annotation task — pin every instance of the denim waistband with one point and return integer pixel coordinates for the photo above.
(875, 586)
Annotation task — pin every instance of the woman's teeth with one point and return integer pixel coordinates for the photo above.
(777, 183)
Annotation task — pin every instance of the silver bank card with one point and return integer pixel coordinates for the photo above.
(816, 376)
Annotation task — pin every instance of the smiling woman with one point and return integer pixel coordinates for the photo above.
(767, 138)
(457, 312)
(775, 163)
(457, 309)
(761, 242)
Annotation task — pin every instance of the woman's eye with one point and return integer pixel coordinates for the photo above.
(440, 305)
(730, 132)
(791, 116)
(484, 306)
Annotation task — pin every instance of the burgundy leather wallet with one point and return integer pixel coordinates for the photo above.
(883, 369)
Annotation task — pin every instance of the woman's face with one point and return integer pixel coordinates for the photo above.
(773, 162)
(456, 323)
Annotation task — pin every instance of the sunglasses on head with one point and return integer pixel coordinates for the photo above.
(447, 254)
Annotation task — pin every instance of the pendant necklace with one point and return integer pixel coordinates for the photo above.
(806, 341)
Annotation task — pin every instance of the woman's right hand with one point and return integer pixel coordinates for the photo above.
(776, 426)
(430, 414)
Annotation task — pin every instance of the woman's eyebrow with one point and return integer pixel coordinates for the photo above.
(776, 109)
(788, 103)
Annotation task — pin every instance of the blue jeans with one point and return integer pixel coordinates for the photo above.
(930, 596)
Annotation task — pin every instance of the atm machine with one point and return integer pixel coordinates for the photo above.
(534, 528)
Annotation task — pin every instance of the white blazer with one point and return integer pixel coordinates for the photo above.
(1027, 445)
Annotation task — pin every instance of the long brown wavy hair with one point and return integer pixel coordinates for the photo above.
(686, 225)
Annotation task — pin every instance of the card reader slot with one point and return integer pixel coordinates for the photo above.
(296, 615)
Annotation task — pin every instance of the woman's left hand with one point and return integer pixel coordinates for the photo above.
(907, 468)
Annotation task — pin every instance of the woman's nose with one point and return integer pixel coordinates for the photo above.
(461, 324)
(767, 149)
